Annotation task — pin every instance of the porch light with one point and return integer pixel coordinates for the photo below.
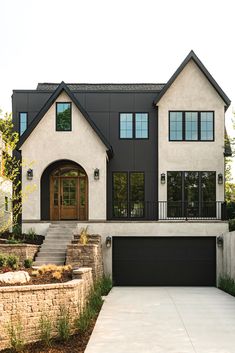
(220, 178)
(96, 174)
(220, 241)
(30, 174)
(108, 242)
(163, 178)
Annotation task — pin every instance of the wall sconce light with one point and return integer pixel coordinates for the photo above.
(108, 242)
(163, 178)
(220, 241)
(96, 174)
(30, 174)
(220, 178)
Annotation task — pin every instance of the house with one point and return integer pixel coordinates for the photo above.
(140, 163)
(5, 192)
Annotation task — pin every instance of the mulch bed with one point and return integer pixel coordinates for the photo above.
(36, 239)
(45, 278)
(76, 344)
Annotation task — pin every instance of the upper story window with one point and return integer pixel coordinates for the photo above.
(134, 126)
(191, 126)
(63, 117)
(23, 122)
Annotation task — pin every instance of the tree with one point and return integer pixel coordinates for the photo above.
(10, 175)
(229, 183)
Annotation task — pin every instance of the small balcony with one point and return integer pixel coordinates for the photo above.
(169, 210)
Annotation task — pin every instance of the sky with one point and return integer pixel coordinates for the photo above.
(118, 41)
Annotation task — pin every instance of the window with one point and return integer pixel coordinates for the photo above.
(128, 195)
(191, 126)
(6, 204)
(141, 125)
(23, 122)
(126, 125)
(133, 125)
(191, 194)
(63, 117)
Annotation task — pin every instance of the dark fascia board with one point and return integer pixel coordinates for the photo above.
(48, 104)
(193, 56)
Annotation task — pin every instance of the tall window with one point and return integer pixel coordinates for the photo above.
(133, 126)
(191, 194)
(128, 195)
(23, 122)
(191, 126)
(63, 117)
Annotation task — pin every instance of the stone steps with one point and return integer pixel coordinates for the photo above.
(53, 249)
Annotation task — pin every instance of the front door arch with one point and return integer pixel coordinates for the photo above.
(68, 193)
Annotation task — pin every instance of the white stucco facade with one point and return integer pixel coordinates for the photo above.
(82, 145)
(191, 91)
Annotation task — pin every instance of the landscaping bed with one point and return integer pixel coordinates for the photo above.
(17, 238)
(44, 275)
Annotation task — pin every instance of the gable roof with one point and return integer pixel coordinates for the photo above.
(63, 87)
(193, 56)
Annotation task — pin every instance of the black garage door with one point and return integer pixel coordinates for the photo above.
(164, 261)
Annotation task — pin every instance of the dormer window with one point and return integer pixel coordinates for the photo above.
(63, 117)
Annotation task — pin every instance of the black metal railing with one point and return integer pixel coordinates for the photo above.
(169, 210)
(192, 210)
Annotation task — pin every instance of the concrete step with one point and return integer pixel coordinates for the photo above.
(59, 236)
(51, 258)
(52, 246)
(51, 255)
(54, 262)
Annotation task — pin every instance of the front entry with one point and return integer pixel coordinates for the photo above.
(68, 193)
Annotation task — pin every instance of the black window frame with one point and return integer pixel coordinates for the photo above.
(27, 123)
(57, 103)
(184, 125)
(128, 201)
(133, 126)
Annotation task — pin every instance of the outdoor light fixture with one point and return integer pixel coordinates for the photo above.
(220, 178)
(30, 174)
(108, 242)
(163, 178)
(96, 174)
(220, 241)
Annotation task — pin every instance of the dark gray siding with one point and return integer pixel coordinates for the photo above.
(104, 109)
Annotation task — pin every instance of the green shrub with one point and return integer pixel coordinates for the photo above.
(13, 241)
(227, 284)
(16, 230)
(82, 323)
(63, 325)
(31, 233)
(3, 260)
(28, 263)
(106, 285)
(15, 333)
(45, 329)
(231, 224)
(12, 261)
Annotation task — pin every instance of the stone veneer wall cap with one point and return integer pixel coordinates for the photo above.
(32, 287)
(81, 270)
(19, 245)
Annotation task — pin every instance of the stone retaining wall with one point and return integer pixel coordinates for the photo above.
(89, 255)
(27, 304)
(23, 251)
(226, 256)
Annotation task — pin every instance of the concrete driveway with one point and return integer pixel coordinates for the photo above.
(165, 320)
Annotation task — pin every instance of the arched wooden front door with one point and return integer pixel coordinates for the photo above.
(68, 193)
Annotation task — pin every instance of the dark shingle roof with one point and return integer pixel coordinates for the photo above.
(148, 87)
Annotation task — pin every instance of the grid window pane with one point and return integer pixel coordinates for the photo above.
(141, 125)
(191, 126)
(23, 122)
(63, 116)
(126, 125)
(207, 126)
(176, 128)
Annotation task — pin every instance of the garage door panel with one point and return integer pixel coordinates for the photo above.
(163, 261)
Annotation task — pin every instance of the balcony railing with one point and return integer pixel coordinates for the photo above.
(169, 210)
